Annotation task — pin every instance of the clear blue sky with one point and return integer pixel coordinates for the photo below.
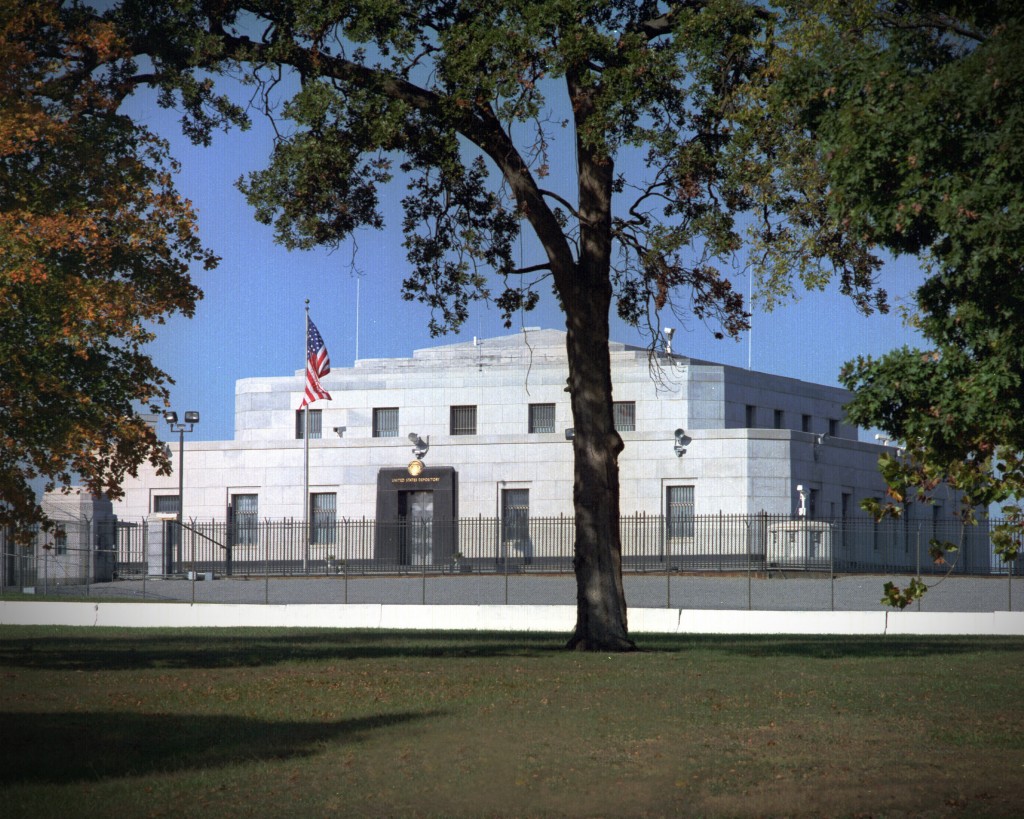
(251, 322)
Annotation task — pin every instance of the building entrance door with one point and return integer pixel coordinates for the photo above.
(416, 519)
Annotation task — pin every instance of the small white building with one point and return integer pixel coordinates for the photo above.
(79, 547)
(700, 438)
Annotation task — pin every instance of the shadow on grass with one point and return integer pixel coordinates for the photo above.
(828, 647)
(68, 649)
(69, 747)
(126, 649)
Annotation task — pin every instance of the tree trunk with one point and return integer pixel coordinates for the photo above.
(587, 298)
(597, 560)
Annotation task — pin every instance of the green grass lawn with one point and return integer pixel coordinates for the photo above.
(319, 723)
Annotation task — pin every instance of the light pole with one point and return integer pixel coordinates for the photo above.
(191, 419)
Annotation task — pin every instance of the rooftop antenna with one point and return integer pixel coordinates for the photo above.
(358, 278)
(750, 306)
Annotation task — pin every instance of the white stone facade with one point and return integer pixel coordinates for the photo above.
(750, 438)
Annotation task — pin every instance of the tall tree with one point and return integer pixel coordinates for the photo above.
(94, 244)
(919, 126)
(463, 102)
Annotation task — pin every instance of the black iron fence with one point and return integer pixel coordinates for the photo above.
(763, 562)
(650, 543)
(81, 552)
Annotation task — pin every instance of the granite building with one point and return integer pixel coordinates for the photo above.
(493, 417)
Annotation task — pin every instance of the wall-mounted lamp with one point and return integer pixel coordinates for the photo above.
(680, 444)
(340, 431)
(570, 433)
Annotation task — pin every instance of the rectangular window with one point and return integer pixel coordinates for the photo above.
(542, 418)
(165, 504)
(805, 423)
(315, 423)
(812, 503)
(779, 419)
(624, 415)
(515, 521)
(751, 416)
(385, 422)
(245, 516)
(463, 420)
(680, 513)
(323, 508)
(833, 427)
(60, 539)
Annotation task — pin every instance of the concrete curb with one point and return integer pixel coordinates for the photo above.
(503, 618)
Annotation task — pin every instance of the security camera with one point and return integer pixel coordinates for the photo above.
(680, 444)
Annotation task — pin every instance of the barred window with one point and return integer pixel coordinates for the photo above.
(323, 507)
(542, 418)
(315, 423)
(385, 422)
(245, 514)
(679, 505)
(165, 504)
(515, 519)
(463, 420)
(624, 415)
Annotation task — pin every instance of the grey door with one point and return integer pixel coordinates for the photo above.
(416, 515)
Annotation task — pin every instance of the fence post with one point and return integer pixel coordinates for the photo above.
(832, 564)
(90, 556)
(1009, 584)
(919, 560)
(749, 560)
(666, 548)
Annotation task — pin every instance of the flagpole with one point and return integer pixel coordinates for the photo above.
(305, 456)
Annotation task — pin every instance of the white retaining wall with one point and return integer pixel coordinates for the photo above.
(504, 618)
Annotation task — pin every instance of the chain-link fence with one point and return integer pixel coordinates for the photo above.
(70, 553)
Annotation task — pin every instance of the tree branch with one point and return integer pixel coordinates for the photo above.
(476, 123)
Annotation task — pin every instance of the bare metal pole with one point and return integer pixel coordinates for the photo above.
(181, 489)
(305, 457)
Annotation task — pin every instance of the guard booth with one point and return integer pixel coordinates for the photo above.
(417, 513)
(800, 544)
(163, 543)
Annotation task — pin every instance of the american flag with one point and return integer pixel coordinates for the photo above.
(318, 364)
